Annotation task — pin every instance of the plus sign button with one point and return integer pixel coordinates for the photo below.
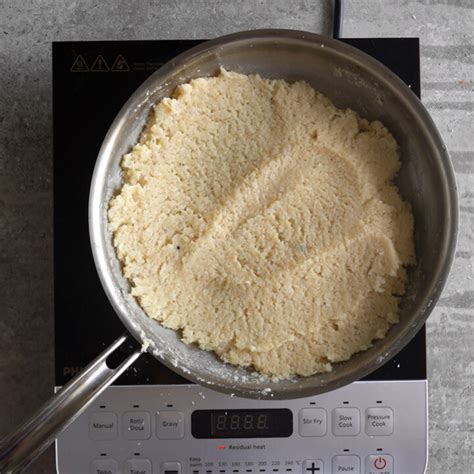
(379, 464)
(313, 466)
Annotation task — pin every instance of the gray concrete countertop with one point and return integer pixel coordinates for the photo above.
(27, 29)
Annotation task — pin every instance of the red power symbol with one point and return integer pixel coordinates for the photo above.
(380, 463)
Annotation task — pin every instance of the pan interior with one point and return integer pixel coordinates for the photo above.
(351, 80)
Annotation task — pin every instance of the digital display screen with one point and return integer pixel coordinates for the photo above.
(267, 423)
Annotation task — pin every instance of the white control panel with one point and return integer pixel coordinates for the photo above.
(366, 427)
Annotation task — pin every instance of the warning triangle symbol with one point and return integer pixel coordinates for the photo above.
(120, 65)
(100, 65)
(79, 65)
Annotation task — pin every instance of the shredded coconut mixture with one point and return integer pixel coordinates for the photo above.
(262, 222)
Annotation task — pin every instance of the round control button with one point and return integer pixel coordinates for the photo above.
(380, 463)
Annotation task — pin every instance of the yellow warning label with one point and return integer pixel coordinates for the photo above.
(100, 64)
(120, 65)
(79, 65)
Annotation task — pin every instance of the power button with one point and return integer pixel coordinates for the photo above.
(379, 464)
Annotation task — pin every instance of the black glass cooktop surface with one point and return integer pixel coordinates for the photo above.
(91, 82)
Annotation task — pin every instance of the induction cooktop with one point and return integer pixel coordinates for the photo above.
(153, 420)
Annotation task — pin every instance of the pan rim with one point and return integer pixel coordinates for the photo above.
(376, 69)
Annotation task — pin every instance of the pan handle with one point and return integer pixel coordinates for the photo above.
(23, 446)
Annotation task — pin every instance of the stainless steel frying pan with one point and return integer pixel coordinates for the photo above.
(351, 79)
